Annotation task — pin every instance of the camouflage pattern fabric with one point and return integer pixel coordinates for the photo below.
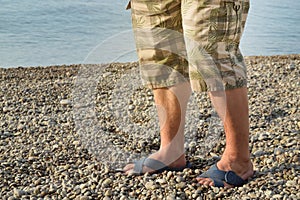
(190, 40)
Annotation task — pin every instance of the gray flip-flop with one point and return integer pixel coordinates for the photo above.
(219, 177)
(156, 166)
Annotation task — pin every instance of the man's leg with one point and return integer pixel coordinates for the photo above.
(213, 30)
(160, 42)
(171, 107)
(233, 110)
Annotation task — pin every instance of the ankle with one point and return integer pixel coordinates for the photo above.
(239, 165)
(170, 160)
(236, 157)
(171, 151)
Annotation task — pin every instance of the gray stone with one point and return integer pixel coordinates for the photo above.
(106, 182)
(180, 185)
(259, 153)
(84, 198)
(150, 185)
(179, 179)
(171, 197)
(161, 181)
(277, 196)
(18, 193)
(291, 184)
(65, 102)
(108, 193)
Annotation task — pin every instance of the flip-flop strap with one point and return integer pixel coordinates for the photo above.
(179, 169)
(218, 176)
(138, 166)
(148, 162)
(154, 164)
(233, 179)
(213, 172)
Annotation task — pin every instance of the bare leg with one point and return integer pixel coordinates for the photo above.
(234, 112)
(171, 107)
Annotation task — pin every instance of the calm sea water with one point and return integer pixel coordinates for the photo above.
(42, 33)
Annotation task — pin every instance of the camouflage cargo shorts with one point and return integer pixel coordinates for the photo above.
(190, 40)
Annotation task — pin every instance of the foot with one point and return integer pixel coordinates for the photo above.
(244, 169)
(179, 163)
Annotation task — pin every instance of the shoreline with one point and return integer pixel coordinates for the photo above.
(282, 56)
(43, 155)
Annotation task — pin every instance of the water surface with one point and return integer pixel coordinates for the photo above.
(42, 33)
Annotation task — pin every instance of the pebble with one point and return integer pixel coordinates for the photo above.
(252, 195)
(291, 183)
(150, 185)
(179, 179)
(123, 197)
(277, 196)
(131, 107)
(292, 66)
(278, 151)
(76, 142)
(268, 193)
(106, 182)
(108, 193)
(84, 198)
(19, 193)
(171, 197)
(46, 153)
(106, 74)
(169, 175)
(161, 181)
(5, 109)
(180, 185)
(65, 102)
(263, 136)
(259, 153)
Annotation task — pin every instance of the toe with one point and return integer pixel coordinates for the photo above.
(128, 168)
(205, 181)
(200, 180)
(210, 182)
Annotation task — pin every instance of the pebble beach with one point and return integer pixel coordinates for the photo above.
(43, 155)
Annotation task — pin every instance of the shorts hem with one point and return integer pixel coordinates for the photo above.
(241, 83)
(165, 84)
